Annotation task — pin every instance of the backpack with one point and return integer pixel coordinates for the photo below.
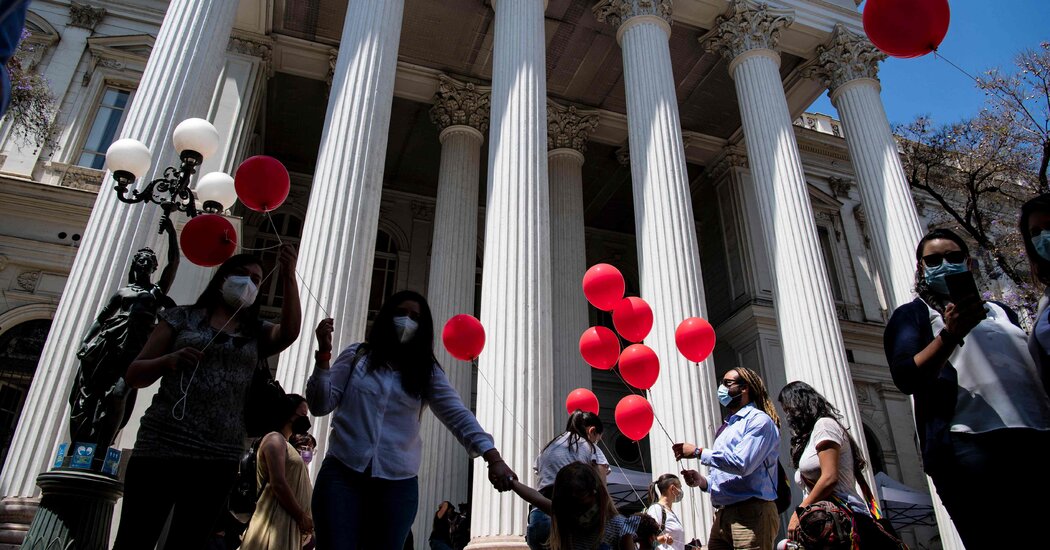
(783, 489)
(826, 525)
(265, 397)
(246, 489)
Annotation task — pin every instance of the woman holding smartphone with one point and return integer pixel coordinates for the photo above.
(980, 405)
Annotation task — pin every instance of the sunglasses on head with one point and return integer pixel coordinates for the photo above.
(953, 257)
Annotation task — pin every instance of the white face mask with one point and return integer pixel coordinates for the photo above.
(405, 328)
(239, 291)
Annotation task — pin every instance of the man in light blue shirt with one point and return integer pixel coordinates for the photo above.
(743, 466)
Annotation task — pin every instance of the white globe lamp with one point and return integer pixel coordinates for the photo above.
(128, 159)
(195, 138)
(216, 192)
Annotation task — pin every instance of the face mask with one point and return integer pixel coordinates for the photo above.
(239, 291)
(301, 425)
(405, 328)
(307, 456)
(588, 518)
(679, 495)
(935, 276)
(1042, 244)
(723, 396)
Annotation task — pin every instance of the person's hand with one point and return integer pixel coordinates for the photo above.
(961, 318)
(166, 226)
(182, 358)
(306, 524)
(665, 539)
(287, 258)
(683, 450)
(694, 544)
(691, 477)
(324, 334)
(501, 476)
(793, 527)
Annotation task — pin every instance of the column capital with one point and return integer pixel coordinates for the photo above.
(569, 127)
(731, 157)
(623, 155)
(747, 26)
(460, 104)
(617, 12)
(846, 57)
(85, 16)
(253, 47)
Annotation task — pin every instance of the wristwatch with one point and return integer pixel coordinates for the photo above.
(696, 453)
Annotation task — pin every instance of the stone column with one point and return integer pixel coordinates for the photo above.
(177, 84)
(461, 113)
(809, 328)
(665, 227)
(21, 159)
(514, 374)
(567, 132)
(339, 232)
(848, 66)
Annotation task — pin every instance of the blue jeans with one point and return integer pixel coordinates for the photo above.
(353, 510)
(539, 530)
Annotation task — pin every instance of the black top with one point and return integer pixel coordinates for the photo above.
(442, 529)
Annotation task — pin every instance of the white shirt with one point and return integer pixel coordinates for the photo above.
(672, 526)
(560, 454)
(999, 384)
(828, 429)
(376, 423)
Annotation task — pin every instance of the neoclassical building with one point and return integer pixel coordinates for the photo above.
(485, 152)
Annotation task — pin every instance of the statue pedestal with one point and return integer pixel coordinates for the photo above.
(16, 514)
(76, 511)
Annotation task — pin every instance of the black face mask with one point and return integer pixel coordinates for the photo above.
(301, 425)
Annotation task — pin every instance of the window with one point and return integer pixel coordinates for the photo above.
(289, 228)
(20, 349)
(108, 120)
(384, 273)
(829, 262)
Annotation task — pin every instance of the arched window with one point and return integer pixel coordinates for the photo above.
(20, 350)
(384, 273)
(288, 230)
(876, 459)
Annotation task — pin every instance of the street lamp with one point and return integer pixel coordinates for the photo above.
(195, 139)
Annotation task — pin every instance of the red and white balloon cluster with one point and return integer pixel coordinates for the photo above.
(604, 287)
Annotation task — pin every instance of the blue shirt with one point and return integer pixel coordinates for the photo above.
(377, 423)
(743, 458)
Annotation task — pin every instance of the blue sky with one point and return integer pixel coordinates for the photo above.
(982, 34)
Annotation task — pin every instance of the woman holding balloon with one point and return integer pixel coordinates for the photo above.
(366, 492)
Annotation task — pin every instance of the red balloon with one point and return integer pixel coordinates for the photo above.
(633, 318)
(695, 338)
(639, 366)
(603, 286)
(634, 417)
(581, 399)
(464, 337)
(600, 347)
(208, 240)
(906, 28)
(262, 183)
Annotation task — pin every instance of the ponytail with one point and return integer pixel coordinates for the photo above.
(577, 425)
(661, 485)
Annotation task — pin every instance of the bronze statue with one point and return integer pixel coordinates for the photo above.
(101, 401)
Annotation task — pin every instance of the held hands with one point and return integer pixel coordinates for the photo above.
(182, 358)
(500, 475)
(961, 318)
(287, 258)
(306, 524)
(683, 450)
(324, 334)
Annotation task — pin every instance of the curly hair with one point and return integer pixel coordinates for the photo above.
(803, 406)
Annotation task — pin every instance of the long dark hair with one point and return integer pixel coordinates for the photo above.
(414, 358)
(212, 295)
(1040, 266)
(659, 487)
(573, 480)
(803, 406)
(577, 425)
(922, 288)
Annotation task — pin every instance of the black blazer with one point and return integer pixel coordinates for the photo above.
(934, 394)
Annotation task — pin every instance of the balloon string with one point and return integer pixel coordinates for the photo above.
(632, 390)
(938, 55)
(495, 394)
(609, 455)
(301, 278)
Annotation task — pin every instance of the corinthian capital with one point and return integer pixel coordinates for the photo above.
(616, 12)
(569, 127)
(748, 25)
(85, 16)
(460, 104)
(848, 56)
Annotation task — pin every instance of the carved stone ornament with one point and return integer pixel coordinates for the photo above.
(568, 127)
(253, 48)
(423, 211)
(27, 280)
(615, 12)
(839, 186)
(460, 104)
(848, 56)
(748, 25)
(623, 155)
(3, 262)
(333, 57)
(85, 16)
(731, 157)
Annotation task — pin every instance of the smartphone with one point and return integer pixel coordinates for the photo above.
(961, 286)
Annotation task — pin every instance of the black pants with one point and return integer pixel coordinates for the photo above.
(196, 489)
(996, 487)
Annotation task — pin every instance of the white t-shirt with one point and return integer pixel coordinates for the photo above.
(672, 526)
(560, 454)
(828, 429)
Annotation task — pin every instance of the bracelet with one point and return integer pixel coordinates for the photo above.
(322, 356)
